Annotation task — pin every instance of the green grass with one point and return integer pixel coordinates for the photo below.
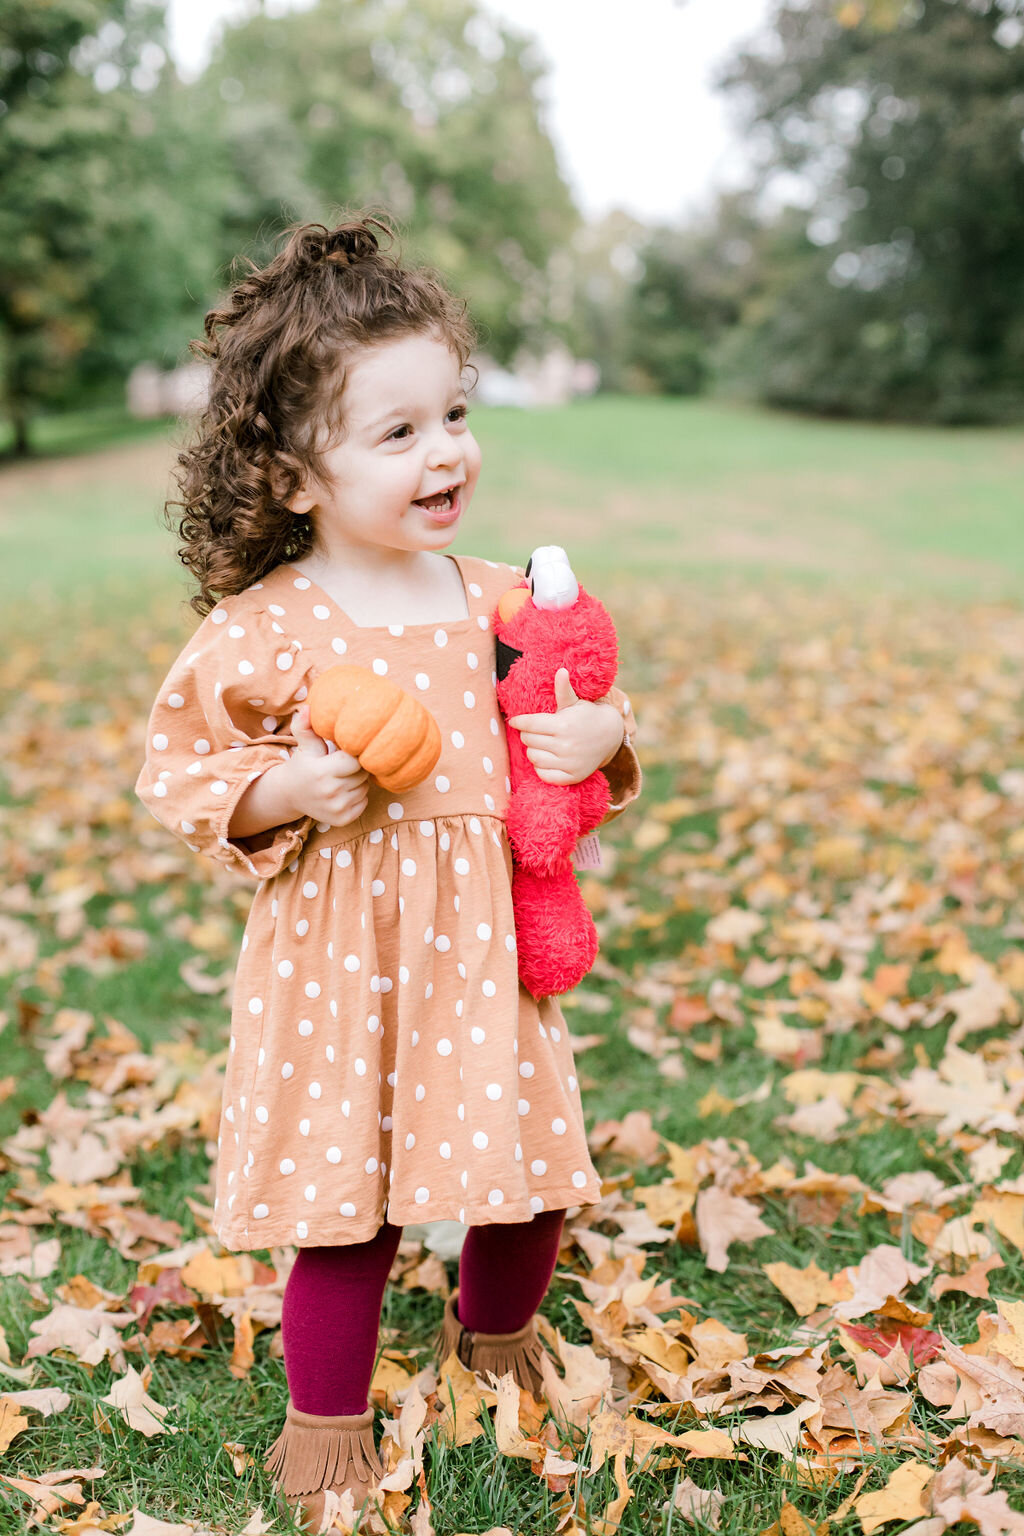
(650, 497)
(637, 487)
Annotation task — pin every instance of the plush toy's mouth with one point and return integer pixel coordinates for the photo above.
(506, 656)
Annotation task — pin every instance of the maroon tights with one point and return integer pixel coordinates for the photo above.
(331, 1310)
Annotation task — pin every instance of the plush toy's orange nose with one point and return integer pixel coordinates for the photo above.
(511, 601)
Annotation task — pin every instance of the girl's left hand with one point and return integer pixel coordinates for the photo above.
(567, 746)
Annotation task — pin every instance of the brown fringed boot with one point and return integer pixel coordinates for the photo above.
(520, 1352)
(316, 1456)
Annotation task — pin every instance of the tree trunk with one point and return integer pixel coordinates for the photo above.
(20, 448)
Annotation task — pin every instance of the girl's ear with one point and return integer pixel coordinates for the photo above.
(300, 500)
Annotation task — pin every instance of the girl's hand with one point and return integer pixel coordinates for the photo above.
(329, 785)
(580, 736)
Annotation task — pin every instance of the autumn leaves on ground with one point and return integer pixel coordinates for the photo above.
(799, 1306)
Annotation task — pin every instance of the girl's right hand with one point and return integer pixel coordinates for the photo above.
(329, 785)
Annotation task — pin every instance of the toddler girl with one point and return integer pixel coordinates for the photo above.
(385, 1064)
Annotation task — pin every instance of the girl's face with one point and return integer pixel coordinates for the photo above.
(406, 438)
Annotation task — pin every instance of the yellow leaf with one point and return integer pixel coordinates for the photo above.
(900, 1499)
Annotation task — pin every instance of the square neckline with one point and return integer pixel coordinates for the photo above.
(376, 629)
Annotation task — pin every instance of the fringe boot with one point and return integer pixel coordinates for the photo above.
(317, 1456)
(520, 1352)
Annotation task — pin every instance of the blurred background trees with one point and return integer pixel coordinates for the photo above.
(872, 268)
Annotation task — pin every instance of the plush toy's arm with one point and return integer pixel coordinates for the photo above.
(623, 772)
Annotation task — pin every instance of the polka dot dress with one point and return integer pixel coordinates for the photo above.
(384, 1061)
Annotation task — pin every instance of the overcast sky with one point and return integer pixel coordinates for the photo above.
(629, 101)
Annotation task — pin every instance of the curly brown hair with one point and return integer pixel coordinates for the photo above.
(279, 350)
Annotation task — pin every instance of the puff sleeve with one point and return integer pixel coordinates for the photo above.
(221, 718)
(623, 772)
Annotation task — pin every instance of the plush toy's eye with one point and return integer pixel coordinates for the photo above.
(505, 657)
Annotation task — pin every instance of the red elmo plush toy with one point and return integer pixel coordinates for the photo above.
(545, 623)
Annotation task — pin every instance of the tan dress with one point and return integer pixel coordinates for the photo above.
(384, 1061)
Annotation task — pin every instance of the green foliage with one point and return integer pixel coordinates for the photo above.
(97, 251)
(903, 294)
(426, 109)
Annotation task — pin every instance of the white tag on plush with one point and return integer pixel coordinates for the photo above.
(587, 853)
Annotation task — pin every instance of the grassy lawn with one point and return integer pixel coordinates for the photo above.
(801, 1050)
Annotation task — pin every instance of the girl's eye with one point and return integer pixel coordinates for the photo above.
(460, 412)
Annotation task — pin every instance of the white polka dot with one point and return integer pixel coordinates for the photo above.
(344, 859)
(338, 645)
(518, 1153)
(462, 866)
(314, 1090)
(302, 927)
(415, 1037)
(445, 1149)
(320, 611)
(474, 826)
(440, 637)
(346, 1107)
(346, 1208)
(334, 1154)
(304, 1127)
(536, 1204)
(422, 680)
(468, 699)
(310, 1191)
(255, 1005)
(488, 765)
(259, 1211)
(483, 931)
(558, 1126)
(495, 1197)
(202, 746)
(370, 1165)
(373, 1023)
(377, 888)
(421, 1092)
(286, 1070)
(477, 1035)
(396, 810)
(480, 1139)
(571, 1080)
(302, 1229)
(312, 989)
(408, 866)
(538, 1166)
(305, 1026)
(160, 742)
(472, 660)
(360, 1066)
(523, 1106)
(458, 740)
(510, 942)
(422, 1195)
(494, 1090)
(286, 1165)
(445, 841)
(488, 988)
(262, 1113)
(442, 943)
(579, 1179)
(526, 1069)
(556, 1033)
(380, 667)
(442, 784)
(285, 968)
(444, 1046)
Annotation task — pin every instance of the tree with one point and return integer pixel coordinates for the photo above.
(95, 255)
(427, 108)
(902, 120)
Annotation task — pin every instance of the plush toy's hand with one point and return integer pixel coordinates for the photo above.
(567, 746)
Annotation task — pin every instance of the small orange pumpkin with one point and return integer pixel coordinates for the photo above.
(395, 738)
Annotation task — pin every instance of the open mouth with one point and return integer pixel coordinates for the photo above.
(442, 502)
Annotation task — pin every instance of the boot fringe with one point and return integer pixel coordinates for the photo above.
(520, 1352)
(315, 1452)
